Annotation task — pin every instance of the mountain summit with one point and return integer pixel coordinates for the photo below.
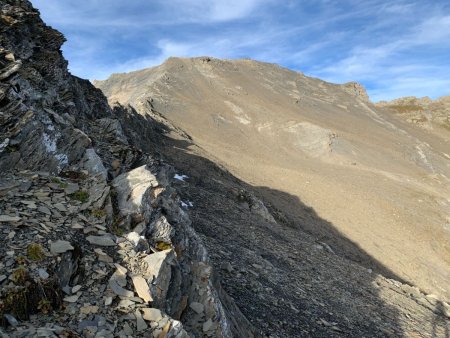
(381, 181)
(212, 198)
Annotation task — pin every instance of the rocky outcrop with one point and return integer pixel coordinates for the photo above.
(423, 112)
(356, 89)
(93, 247)
(44, 110)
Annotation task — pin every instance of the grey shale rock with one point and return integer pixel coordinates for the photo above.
(7, 218)
(60, 246)
(104, 240)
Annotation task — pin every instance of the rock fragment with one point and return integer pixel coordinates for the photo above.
(197, 307)
(104, 240)
(60, 246)
(151, 314)
(142, 289)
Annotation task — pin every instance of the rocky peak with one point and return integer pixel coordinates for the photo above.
(356, 89)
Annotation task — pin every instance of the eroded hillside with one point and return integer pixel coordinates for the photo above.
(381, 182)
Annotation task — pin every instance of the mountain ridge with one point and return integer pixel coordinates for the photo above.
(117, 222)
(292, 125)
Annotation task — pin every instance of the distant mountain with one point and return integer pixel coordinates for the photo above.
(424, 112)
(382, 182)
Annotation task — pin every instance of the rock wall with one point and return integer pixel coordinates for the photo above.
(117, 248)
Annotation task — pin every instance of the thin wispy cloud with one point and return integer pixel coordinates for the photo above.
(393, 48)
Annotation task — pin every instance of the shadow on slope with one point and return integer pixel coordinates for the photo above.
(298, 276)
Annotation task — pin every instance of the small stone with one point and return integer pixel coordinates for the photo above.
(104, 240)
(151, 314)
(77, 225)
(60, 207)
(76, 288)
(197, 307)
(165, 330)
(89, 309)
(60, 247)
(72, 299)
(104, 334)
(45, 210)
(43, 274)
(54, 186)
(105, 258)
(127, 329)
(10, 57)
(30, 204)
(115, 164)
(108, 300)
(2, 278)
(142, 289)
(120, 277)
(227, 267)
(125, 304)
(7, 218)
(71, 188)
(118, 290)
(208, 325)
(11, 235)
(11, 320)
(141, 325)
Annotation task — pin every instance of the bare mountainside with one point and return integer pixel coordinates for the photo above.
(116, 223)
(424, 112)
(381, 182)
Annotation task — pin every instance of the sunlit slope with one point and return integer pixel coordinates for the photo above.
(382, 182)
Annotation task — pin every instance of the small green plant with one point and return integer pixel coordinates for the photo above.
(45, 306)
(80, 195)
(407, 108)
(35, 252)
(161, 246)
(73, 175)
(99, 213)
(11, 149)
(21, 260)
(58, 181)
(116, 229)
(55, 180)
(20, 276)
(15, 303)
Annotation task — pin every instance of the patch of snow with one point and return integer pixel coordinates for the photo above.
(180, 177)
(47, 122)
(49, 144)
(3, 145)
(62, 159)
(187, 204)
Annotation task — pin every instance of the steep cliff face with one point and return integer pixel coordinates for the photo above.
(45, 110)
(114, 252)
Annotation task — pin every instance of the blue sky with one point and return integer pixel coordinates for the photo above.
(394, 48)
